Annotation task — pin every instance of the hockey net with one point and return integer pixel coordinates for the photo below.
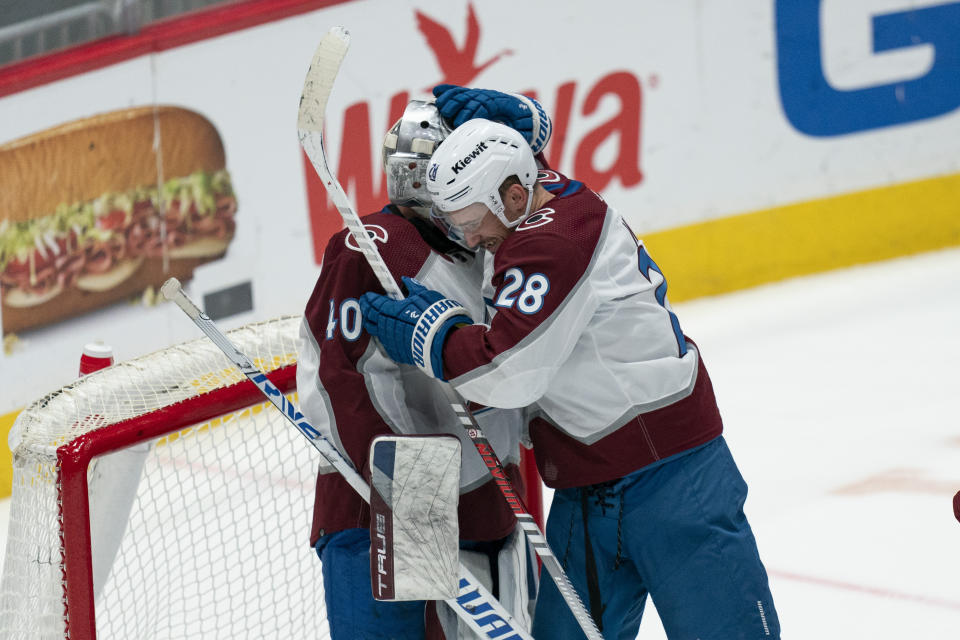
(161, 498)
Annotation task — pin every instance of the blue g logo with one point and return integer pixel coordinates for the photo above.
(816, 108)
(432, 174)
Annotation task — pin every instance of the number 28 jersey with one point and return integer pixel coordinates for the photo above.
(584, 331)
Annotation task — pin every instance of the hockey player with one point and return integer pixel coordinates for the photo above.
(352, 392)
(648, 498)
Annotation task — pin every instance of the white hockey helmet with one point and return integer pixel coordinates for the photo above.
(407, 148)
(472, 164)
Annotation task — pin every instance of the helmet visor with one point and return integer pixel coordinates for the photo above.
(462, 221)
(439, 220)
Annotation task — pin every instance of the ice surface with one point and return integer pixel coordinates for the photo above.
(839, 394)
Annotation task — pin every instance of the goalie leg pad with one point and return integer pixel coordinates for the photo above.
(479, 565)
(512, 570)
(518, 577)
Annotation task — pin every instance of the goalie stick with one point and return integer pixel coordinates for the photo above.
(474, 604)
(313, 104)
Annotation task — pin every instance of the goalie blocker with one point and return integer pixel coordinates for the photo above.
(415, 490)
(414, 537)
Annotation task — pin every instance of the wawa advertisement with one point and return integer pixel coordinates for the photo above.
(184, 160)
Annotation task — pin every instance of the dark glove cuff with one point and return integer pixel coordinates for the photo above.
(431, 331)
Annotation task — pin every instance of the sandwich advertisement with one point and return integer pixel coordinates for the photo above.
(746, 142)
(101, 213)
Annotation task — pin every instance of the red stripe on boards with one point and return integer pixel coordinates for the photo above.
(160, 36)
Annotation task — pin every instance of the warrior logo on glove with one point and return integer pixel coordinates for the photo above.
(428, 326)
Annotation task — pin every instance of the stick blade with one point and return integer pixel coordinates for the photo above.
(319, 81)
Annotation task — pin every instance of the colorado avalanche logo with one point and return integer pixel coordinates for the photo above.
(432, 174)
(537, 219)
(547, 176)
(374, 231)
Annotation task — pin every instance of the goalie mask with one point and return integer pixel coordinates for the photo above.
(407, 148)
(471, 165)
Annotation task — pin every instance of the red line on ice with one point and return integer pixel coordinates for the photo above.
(883, 593)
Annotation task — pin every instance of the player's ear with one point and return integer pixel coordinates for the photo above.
(518, 196)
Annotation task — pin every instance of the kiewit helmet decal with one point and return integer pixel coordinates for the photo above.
(472, 164)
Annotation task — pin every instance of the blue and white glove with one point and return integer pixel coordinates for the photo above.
(459, 104)
(413, 330)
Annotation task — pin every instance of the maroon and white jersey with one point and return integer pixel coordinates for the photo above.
(584, 330)
(351, 391)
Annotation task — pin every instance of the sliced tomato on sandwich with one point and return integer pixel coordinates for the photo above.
(116, 220)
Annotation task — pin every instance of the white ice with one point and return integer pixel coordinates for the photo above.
(839, 398)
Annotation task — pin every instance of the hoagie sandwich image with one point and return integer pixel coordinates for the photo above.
(96, 210)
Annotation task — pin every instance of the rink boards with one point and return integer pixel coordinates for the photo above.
(745, 144)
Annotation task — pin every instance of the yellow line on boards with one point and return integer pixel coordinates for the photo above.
(6, 458)
(755, 248)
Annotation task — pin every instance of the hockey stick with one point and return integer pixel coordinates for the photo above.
(313, 103)
(475, 605)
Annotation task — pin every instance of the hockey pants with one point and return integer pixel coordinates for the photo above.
(676, 530)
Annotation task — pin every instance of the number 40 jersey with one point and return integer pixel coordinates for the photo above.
(584, 330)
(352, 392)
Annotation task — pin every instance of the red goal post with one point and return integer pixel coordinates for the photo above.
(162, 497)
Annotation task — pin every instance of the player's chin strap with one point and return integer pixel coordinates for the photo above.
(432, 327)
(526, 213)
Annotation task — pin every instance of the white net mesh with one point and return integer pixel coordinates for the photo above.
(202, 533)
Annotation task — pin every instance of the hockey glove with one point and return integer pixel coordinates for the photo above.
(459, 104)
(413, 330)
